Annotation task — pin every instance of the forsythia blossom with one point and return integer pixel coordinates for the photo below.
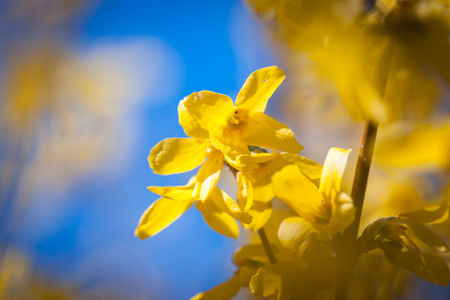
(221, 132)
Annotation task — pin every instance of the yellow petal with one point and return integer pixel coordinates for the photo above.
(177, 155)
(299, 193)
(333, 170)
(217, 219)
(161, 214)
(223, 291)
(244, 165)
(258, 88)
(190, 126)
(173, 192)
(209, 110)
(245, 191)
(308, 167)
(294, 231)
(274, 279)
(262, 187)
(208, 175)
(260, 212)
(231, 143)
(226, 204)
(260, 158)
(342, 213)
(245, 274)
(264, 131)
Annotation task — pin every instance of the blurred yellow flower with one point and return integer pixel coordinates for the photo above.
(424, 147)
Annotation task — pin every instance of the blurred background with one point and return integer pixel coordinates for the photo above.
(88, 87)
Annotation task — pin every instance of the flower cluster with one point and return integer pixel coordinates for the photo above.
(225, 133)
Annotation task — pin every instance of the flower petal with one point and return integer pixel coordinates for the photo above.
(161, 214)
(173, 192)
(223, 291)
(245, 191)
(296, 190)
(333, 170)
(209, 110)
(308, 167)
(274, 279)
(217, 219)
(226, 204)
(258, 88)
(342, 213)
(177, 155)
(190, 126)
(264, 131)
(231, 143)
(294, 231)
(260, 212)
(208, 175)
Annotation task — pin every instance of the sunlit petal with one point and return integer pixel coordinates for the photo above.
(260, 212)
(217, 219)
(177, 155)
(190, 126)
(333, 170)
(308, 167)
(208, 175)
(269, 133)
(245, 191)
(173, 192)
(231, 143)
(161, 214)
(258, 88)
(296, 190)
(210, 110)
(227, 204)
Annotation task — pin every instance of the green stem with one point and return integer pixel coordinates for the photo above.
(266, 245)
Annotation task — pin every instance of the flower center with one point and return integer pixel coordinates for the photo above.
(236, 118)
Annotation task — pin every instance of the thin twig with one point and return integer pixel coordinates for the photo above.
(266, 245)
(348, 257)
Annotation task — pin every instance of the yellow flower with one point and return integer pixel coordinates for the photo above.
(218, 210)
(232, 128)
(265, 165)
(326, 208)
